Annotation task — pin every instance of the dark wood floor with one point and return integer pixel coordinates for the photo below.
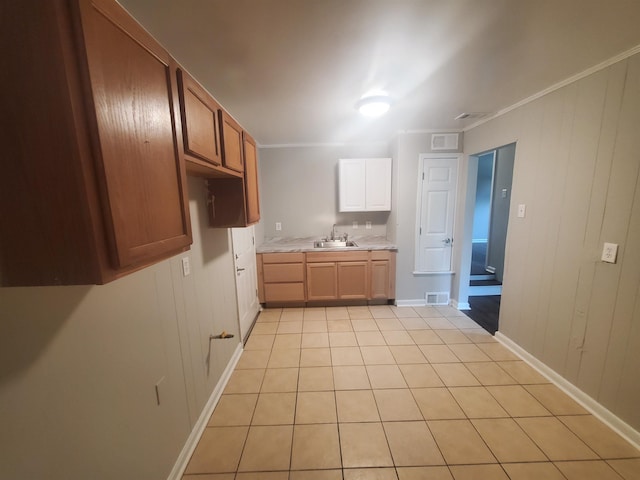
(478, 258)
(485, 311)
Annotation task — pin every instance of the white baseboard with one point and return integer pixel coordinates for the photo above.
(198, 429)
(615, 423)
(460, 305)
(484, 290)
(418, 302)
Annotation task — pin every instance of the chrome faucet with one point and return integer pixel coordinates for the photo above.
(333, 235)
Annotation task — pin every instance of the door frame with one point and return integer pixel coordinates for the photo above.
(461, 302)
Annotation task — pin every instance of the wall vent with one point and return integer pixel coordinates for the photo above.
(437, 298)
(444, 141)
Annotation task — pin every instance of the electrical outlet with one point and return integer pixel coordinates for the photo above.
(355, 225)
(367, 225)
(278, 226)
(610, 253)
(186, 266)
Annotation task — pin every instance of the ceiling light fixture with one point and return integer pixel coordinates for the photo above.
(374, 105)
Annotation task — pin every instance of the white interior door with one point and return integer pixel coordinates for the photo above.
(244, 254)
(436, 211)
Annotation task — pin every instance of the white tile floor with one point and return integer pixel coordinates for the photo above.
(390, 393)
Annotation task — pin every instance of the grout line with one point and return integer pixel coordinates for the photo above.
(426, 362)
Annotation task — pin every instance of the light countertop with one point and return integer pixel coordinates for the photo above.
(305, 244)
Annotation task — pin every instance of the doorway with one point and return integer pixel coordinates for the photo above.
(489, 233)
(244, 259)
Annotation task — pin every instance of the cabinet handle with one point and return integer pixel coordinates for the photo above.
(239, 269)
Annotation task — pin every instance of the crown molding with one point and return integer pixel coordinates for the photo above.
(557, 86)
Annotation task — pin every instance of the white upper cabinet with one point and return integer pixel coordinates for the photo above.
(365, 184)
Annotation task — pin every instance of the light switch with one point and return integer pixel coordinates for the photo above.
(186, 266)
(278, 226)
(522, 210)
(504, 193)
(610, 252)
(368, 225)
(355, 225)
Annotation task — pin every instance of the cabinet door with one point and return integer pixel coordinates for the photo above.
(251, 179)
(231, 143)
(378, 184)
(200, 127)
(141, 174)
(380, 279)
(353, 280)
(365, 184)
(284, 292)
(352, 184)
(322, 281)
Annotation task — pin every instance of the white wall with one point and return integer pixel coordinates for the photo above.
(299, 189)
(78, 365)
(577, 170)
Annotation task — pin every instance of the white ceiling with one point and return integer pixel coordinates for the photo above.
(291, 71)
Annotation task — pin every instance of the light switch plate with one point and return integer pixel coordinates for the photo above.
(355, 225)
(186, 266)
(278, 226)
(610, 252)
(368, 225)
(522, 210)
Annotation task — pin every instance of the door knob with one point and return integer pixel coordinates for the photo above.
(447, 241)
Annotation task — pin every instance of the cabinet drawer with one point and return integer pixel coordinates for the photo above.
(284, 292)
(352, 256)
(283, 257)
(380, 254)
(283, 272)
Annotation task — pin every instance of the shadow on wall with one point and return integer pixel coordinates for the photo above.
(25, 336)
(214, 242)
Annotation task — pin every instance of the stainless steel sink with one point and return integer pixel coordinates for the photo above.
(334, 244)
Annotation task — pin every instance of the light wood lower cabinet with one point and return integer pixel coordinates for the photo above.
(383, 268)
(353, 280)
(281, 277)
(326, 276)
(337, 275)
(322, 281)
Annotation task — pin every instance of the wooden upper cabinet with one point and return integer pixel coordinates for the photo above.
(234, 202)
(200, 124)
(134, 92)
(251, 179)
(232, 156)
(96, 187)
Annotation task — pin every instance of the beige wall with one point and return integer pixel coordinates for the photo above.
(410, 287)
(299, 188)
(577, 170)
(78, 365)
